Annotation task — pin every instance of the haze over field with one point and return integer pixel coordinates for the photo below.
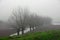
(42, 7)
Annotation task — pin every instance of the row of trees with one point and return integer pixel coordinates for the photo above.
(23, 18)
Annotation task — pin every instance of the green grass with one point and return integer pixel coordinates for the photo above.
(49, 35)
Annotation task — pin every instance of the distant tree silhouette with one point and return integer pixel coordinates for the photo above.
(22, 18)
(19, 19)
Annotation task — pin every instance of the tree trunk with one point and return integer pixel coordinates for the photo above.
(30, 28)
(22, 30)
(33, 28)
(18, 30)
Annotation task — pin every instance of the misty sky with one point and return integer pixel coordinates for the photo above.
(42, 7)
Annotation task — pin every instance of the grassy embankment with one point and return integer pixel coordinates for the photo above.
(49, 35)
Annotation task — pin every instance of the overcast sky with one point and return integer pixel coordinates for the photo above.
(42, 7)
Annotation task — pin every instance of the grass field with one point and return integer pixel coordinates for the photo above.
(48, 35)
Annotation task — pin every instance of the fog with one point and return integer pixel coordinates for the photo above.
(49, 8)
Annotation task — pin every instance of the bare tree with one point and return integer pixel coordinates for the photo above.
(19, 20)
(22, 18)
(34, 21)
(37, 21)
(47, 21)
